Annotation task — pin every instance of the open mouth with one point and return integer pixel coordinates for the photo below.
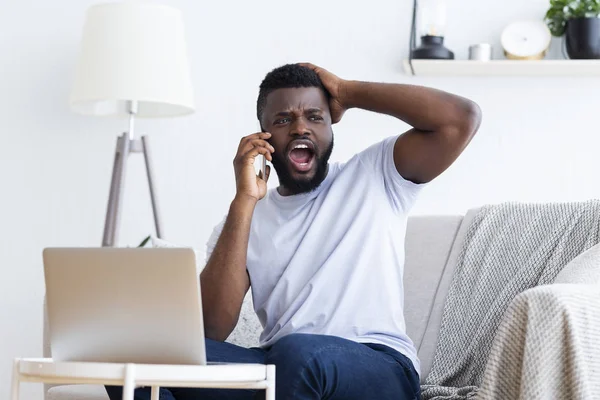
(302, 155)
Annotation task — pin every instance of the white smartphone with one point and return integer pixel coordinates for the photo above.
(263, 167)
(263, 161)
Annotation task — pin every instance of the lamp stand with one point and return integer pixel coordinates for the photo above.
(127, 144)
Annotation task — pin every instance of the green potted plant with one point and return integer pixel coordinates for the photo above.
(578, 21)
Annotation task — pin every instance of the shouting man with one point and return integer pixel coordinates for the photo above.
(324, 252)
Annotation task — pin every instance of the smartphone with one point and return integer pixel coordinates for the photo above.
(262, 160)
(263, 167)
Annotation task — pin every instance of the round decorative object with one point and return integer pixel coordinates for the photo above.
(526, 40)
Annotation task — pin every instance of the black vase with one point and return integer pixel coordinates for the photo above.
(432, 48)
(583, 38)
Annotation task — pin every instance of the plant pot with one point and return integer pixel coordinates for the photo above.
(583, 38)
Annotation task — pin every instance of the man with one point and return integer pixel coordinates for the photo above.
(324, 252)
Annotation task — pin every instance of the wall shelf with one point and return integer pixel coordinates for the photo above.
(504, 68)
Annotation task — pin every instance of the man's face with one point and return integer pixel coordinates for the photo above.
(300, 124)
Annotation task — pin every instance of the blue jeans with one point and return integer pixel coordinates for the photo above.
(311, 367)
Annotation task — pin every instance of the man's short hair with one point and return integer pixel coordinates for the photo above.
(286, 76)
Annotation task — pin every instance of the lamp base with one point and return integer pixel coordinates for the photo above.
(432, 48)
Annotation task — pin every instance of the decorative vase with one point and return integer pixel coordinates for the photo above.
(432, 48)
(582, 38)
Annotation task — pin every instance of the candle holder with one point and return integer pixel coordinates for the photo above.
(432, 27)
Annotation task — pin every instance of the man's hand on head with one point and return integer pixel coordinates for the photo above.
(336, 87)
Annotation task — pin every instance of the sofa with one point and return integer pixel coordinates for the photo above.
(433, 244)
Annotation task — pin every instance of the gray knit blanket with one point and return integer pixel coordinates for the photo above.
(508, 249)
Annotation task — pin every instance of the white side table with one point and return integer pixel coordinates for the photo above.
(217, 376)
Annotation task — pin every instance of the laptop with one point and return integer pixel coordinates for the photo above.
(124, 305)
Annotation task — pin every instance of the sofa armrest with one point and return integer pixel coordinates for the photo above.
(547, 346)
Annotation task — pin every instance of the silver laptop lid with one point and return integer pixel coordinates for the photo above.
(124, 305)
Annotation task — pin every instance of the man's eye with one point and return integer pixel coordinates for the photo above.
(316, 118)
(282, 121)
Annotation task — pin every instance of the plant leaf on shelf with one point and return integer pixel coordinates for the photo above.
(144, 241)
(561, 11)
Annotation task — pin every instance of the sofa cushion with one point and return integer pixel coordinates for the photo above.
(429, 240)
(248, 329)
(437, 300)
(585, 268)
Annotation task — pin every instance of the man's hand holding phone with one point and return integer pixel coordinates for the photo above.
(251, 147)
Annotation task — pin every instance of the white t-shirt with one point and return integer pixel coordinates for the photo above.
(331, 261)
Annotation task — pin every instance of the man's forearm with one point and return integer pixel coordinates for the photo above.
(424, 109)
(224, 280)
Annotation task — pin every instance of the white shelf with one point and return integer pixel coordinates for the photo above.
(504, 68)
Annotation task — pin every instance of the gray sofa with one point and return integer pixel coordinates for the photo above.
(432, 248)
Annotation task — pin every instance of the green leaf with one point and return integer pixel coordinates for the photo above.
(144, 242)
(561, 11)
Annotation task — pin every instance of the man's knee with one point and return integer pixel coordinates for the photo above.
(308, 365)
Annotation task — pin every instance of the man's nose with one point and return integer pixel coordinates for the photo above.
(299, 127)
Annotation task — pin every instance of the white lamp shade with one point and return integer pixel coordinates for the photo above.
(133, 51)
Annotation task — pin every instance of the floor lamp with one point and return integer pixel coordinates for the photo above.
(133, 63)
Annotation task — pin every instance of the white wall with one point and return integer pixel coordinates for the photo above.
(538, 141)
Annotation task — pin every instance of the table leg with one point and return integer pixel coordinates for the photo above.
(270, 395)
(155, 392)
(129, 384)
(15, 380)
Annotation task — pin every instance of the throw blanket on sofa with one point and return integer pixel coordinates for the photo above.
(508, 249)
(547, 346)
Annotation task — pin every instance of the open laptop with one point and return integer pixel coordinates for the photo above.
(124, 305)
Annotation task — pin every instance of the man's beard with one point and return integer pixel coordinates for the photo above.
(297, 186)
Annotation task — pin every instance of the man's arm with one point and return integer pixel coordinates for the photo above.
(224, 281)
(443, 123)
